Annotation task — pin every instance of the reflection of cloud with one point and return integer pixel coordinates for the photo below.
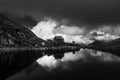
(109, 58)
(84, 55)
(47, 61)
(72, 57)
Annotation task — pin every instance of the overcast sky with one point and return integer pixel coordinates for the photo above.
(81, 11)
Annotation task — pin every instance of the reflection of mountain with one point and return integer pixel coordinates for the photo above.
(13, 34)
(13, 62)
(111, 46)
(85, 62)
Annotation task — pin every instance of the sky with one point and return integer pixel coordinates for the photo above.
(71, 17)
(81, 12)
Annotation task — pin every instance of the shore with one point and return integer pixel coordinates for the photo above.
(42, 49)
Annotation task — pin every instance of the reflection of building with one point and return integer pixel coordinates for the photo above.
(59, 55)
(58, 39)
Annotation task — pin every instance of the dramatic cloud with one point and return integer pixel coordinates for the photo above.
(44, 29)
(85, 12)
(75, 17)
(70, 30)
(48, 29)
(112, 29)
(24, 20)
(102, 35)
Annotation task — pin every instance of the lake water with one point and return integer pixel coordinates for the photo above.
(81, 64)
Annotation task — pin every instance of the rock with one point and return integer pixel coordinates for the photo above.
(13, 34)
(111, 46)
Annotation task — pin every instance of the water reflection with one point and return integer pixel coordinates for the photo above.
(83, 55)
(84, 62)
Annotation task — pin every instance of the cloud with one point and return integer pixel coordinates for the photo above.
(82, 12)
(102, 35)
(112, 29)
(44, 29)
(26, 20)
(70, 30)
(49, 28)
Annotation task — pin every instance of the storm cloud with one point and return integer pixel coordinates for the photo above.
(81, 12)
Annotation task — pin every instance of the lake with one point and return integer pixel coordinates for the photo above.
(82, 64)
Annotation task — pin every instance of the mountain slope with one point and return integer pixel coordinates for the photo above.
(13, 34)
(111, 46)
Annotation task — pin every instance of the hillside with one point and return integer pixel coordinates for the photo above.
(13, 34)
(111, 46)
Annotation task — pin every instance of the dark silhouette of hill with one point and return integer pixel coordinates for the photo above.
(13, 62)
(13, 34)
(25, 20)
(111, 46)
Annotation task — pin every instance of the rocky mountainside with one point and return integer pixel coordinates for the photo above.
(111, 46)
(114, 43)
(13, 34)
(27, 20)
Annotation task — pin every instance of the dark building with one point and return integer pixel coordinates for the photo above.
(73, 42)
(58, 39)
(49, 40)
